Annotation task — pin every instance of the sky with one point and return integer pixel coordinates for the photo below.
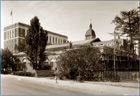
(70, 18)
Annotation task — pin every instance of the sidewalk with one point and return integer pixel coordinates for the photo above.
(99, 87)
(119, 84)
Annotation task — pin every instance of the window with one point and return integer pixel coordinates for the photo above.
(13, 33)
(64, 40)
(22, 32)
(16, 32)
(50, 39)
(9, 34)
(4, 35)
(61, 41)
(27, 32)
(56, 40)
(53, 40)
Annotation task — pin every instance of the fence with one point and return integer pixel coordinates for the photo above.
(123, 75)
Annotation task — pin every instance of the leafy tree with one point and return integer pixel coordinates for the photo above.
(128, 23)
(36, 42)
(21, 47)
(7, 60)
(80, 62)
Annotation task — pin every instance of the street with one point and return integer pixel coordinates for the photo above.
(15, 86)
(21, 85)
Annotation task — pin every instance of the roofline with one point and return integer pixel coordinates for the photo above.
(107, 41)
(73, 44)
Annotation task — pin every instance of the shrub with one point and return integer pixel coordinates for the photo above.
(80, 78)
(111, 76)
(46, 67)
(75, 62)
(20, 66)
(45, 73)
(6, 71)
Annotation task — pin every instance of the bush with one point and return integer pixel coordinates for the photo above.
(111, 76)
(45, 73)
(6, 71)
(76, 61)
(19, 66)
(46, 67)
(79, 78)
(22, 73)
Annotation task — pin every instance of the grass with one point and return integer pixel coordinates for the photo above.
(44, 73)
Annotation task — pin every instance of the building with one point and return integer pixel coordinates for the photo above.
(15, 34)
(123, 54)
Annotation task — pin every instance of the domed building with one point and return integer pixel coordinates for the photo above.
(123, 54)
(90, 34)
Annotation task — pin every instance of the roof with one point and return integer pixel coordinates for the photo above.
(106, 42)
(82, 42)
(103, 42)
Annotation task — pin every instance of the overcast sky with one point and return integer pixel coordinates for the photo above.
(70, 18)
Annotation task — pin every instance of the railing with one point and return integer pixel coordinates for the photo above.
(123, 75)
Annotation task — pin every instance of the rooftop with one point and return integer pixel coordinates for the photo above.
(75, 43)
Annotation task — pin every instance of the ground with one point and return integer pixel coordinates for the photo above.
(19, 85)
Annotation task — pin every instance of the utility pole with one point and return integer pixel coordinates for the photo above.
(114, 49)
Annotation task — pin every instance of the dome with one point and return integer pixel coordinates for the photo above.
(90, 33)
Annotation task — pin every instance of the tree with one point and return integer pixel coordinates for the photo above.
(21, 47)
(128, 23)
(80, 62)
(7, 60)
(36, 42)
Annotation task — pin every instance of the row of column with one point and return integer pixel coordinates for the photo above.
(56, 40)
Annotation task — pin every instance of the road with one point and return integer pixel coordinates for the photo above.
(15, 86)
(19, 85)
